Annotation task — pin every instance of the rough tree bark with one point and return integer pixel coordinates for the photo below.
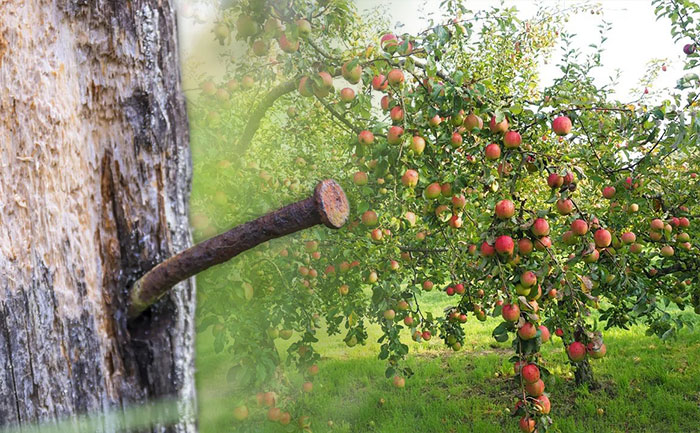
(94, 185)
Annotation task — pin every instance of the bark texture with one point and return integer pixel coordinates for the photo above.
(94, 186)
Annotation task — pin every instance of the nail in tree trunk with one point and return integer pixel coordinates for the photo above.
(94, 185)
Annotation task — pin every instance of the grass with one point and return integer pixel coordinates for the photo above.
(647, 386)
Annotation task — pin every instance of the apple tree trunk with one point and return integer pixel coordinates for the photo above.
(94, 185)
(583, 374)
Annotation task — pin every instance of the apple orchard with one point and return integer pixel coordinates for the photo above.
(558, 209)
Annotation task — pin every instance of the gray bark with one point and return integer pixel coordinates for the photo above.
(94, 185)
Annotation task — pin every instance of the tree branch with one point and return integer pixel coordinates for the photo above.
(256, 117)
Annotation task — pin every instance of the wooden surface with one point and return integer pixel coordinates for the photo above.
(94, 183)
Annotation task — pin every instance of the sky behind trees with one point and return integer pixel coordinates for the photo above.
(634, 40)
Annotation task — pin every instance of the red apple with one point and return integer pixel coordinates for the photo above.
(528, 279)
(568, 178)
(544, 331)
(576, 351)
(396, 114)
(305, 87)
(525, 246)
(504, 245)
(347, 94)
(240, 413)
(288, 45)
(446, 189)
(561, 125)
(395, 77)
(628, 238)
(530, 373)
(459, 201)
(543, 404)
(410, 178)
(498, 127)
(554, 180)
(394, 135)
(510, 312)
(540, 227)
(527, 424)
(505, 209)
(602, 238)
(379, 82)
(274, 414)
(667, 251)
(417, 144)
(592, 257)
(434, 121)
(365, 137)
(536, 388)
(512, 139)
(370, 218)
(527, 331)
(352, 75)
(579, 227)
(399, 382)
(487, 250)
(285, 418)
(472, 121)
(596, 352)
(360, 178)
(492, 152)
(543, 243)
(657, 224)
(432, 191)
(565, 206)
(609, 192)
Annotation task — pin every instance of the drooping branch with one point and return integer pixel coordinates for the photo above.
(256, 117)
(328, 205)
(423, 250)
(678, 267)
(340, 117)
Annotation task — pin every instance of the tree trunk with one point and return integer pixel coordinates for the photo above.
(583, 374)
(94, 184)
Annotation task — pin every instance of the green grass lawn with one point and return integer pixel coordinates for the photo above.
(647, 386)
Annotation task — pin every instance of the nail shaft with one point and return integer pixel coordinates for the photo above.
(327, 206)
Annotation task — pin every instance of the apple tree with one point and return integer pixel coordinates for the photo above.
(540, 205)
